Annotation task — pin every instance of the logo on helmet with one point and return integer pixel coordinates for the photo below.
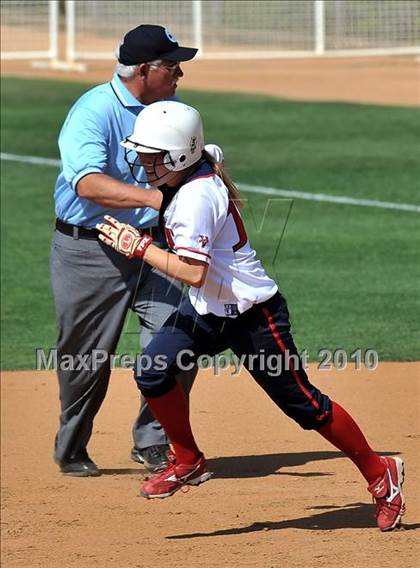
(193, 144)
(170, 36)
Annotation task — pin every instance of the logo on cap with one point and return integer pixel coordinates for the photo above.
(170, 36)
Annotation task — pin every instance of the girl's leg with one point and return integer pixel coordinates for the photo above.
(384, 475)
(266, 329)
(172, 410)
(184, 336)
(343, 432)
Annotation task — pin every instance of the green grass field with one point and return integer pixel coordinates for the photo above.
(350, 273)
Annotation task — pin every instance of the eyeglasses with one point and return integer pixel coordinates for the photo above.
(171, 66)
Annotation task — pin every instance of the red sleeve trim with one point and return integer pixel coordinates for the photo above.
(196, 251)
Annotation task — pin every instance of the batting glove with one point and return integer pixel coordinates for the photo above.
(123, 238)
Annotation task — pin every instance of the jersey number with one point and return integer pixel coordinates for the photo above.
(243, 238)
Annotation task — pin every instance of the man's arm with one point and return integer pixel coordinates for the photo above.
(109, 192)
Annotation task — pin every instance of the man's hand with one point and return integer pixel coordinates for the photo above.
(123, 238)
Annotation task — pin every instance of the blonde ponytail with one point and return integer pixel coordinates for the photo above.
(218, 169)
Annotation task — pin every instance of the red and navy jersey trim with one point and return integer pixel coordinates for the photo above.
(196, 251)
(295, 374)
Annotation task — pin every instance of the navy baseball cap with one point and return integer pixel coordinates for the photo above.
(149, 42)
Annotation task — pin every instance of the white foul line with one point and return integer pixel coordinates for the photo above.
(329, 198)
(30, 160)
(259, 189)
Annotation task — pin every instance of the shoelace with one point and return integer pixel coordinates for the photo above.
(381, 504)
(155, 453)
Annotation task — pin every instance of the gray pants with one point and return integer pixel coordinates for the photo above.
(93, 288)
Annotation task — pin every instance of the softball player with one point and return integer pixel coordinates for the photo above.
(232, 303)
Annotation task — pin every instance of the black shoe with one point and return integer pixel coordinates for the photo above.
(154, 458)
(79, 466)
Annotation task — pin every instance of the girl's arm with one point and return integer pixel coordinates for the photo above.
(128, 241)
(188, 270)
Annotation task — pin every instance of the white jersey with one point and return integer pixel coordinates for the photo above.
(202, 223)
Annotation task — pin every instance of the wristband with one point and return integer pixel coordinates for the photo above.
(143, 245)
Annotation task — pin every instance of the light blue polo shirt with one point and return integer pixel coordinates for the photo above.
(89, 142)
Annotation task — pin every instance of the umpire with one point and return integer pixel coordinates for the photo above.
(93, 286)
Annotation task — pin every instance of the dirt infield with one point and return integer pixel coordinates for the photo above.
(377, 80)
(280, 496)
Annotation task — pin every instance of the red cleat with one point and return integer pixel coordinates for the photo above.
(387, 492)
(174, 477)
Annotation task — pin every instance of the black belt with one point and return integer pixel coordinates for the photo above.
(83, 233)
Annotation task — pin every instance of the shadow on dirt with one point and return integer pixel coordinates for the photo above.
(269, 464)
(350, 516)
(233, 467)
(124, 471)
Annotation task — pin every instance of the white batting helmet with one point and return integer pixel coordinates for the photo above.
(172, 127)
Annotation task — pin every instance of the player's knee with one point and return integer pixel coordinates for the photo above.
(153, 377)
(312, 415)
(153, 385)
(315, 422)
